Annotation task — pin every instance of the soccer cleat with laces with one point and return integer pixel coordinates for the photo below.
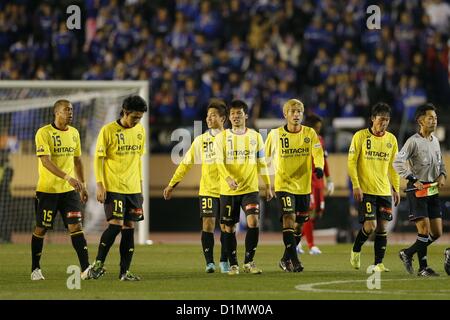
(427, 272)
(37, 275)
(210, 267)
(252, 268)
(355, 259)
(407, 261)
(314, 251)
(224, 266)
(97, 270)
(87, 274)
(234, 270)
(447, 261)
(128, 276)
(297, 266)
(380, 268)
(285, 265)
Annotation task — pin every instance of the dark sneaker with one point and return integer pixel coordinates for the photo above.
(427, 272)
(96, 270)
(285, 265)
(297, 267)
(128, 276)
(447, 261)
(407, 261)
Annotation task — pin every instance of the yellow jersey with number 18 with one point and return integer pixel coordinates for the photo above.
(121, 149)
(62, 146)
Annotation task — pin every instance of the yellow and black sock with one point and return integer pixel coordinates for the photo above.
(289, 244)
(107, 240)
(251, 242)
(223, 253)
(37, 242)
(231, 247)
(208, 246)
(126, 249)
(379, 245)
(80, 246)
(360, 239)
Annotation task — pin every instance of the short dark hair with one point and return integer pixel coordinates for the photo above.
(380, 108)
(422, 110)
(312, 119)
(219, 105)
(239, 104)
(134, 103)
(59, 103)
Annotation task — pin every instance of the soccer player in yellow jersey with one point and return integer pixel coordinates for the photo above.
(292, 149)
(202, 151)
(118, 172)
(240, 158)
(60, 186)
(375, 182)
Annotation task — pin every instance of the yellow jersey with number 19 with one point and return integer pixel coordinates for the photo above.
(62, 146)
(121, 149)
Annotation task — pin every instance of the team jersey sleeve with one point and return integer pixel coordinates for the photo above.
(186, 163)
(317, 151)
(261, 160)
(77, 152)
(352, 161)
(100, 150)
(219, 148)
(394, 177)
(42, 145)
(269, 149)
(400, 163)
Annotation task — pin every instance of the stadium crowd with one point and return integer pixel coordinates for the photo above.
(263, 52)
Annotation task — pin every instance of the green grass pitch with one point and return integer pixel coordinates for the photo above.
(176, 271)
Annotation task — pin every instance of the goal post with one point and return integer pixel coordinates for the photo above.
(27, 105)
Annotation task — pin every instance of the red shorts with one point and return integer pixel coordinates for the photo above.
(317, 200)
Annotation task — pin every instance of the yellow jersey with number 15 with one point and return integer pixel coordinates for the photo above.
(62, 146)
(121, 149)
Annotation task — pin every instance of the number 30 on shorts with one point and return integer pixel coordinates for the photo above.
(206, 203)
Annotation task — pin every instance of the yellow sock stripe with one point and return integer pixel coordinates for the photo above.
(76, 232)
(383, 234)
(288, 230)
(38, 236)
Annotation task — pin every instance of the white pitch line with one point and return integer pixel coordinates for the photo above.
(310, 288)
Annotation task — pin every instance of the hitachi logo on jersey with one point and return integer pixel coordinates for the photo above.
(63, 149)
(295, 150)
(133, 147)
(240, 152)
(376, 154)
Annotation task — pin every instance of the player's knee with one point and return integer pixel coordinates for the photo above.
(75, 227)
(40, 231)
(116, 222)
(288, 220)
(222, 227)
(370, 226)
(252, 221)
(436, 234)
(208, 224)
(298, 228)
(128, 224)
(229, 228)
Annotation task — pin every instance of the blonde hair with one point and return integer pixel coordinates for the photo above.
(292, 103)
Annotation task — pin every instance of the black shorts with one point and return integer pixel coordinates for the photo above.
(426, 207)
(297, 204)
(47, 206)
(123, 206)
(209, 207)
(230, 207)
(375, 207)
